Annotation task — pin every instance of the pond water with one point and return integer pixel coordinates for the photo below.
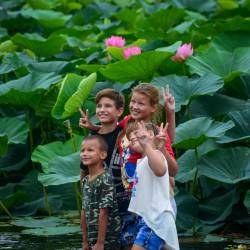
(14, 240)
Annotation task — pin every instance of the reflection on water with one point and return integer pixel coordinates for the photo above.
(13, 240)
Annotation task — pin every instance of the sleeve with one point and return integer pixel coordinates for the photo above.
(124, 121)
(107, 195)
(169, 147)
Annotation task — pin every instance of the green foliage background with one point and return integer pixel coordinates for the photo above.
(53, 61)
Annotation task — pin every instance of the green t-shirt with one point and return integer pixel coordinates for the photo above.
(100, 193)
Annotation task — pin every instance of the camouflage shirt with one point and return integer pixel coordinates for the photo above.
(100, 193)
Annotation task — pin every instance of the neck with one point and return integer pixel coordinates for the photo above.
(107, 128)
(95, 170)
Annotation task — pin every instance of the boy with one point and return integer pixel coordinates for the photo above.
(150, 198)
(109, 107)
(99, 218)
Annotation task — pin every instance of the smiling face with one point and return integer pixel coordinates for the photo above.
(140, 107)
(134, 142)
(107, 112)
(91, 153)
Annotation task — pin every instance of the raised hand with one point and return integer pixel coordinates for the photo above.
(85, 122)
(143, 135)
(168, 99)
(160, 138)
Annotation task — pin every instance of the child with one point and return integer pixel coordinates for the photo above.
(150, 198)
(109, 107)
(99, 218)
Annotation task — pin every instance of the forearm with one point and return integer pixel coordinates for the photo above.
(171, 125)
(84, 227)
(102, 225)
(172, 164)
(155, 161)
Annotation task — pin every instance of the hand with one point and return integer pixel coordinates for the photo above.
(85, 246)
(143, 135)
(168, 99)
(85, 122)
(98, 246)
(160, 138)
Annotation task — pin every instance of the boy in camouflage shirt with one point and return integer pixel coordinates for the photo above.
(100, 220)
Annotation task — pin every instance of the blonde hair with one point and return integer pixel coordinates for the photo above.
(148, 90)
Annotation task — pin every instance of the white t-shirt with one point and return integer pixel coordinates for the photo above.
(151, 200)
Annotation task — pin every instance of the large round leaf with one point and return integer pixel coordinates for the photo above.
(138, 67)
(184, 89)
(73, 93)
(12, 131)
(40, 46)
(45, 153)
(61, 170)
(247, 201)
(218, 206)
(28, 89)
(187, 161)
(230, 165)
(194, 132)
(49, 19)
(232, 40)
(223, 63)
(241, 130)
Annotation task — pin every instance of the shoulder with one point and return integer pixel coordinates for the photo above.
(124, 121)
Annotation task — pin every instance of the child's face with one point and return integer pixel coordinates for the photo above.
(91, 154)
(140, 107)
(134, 142)
(106, 111)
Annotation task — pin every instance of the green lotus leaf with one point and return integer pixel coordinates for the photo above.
(45, 153)
(217, 104)
(241, 130)
(247, 201)
(222, 63)
(156, 25)
(186, 89)
(43, 4)
(31, 208)
(12, 131)
(172, 48)
(27, 90)
(137, 67)
(218, 206)
(38, 223)
(230, 165)
(232, 40)
(40, 46)
(49, 19)
(14, 61)
(188, 207)
(3, 144)
(51, 66)
(188, 160)
(90, 68)
(59, 230)
(116, 52)
(194, 132)
(61, 170)
(16, 157)
(73, 93)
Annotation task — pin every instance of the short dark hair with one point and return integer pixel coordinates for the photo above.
(102, 143)
(112, 94)
(132, 126)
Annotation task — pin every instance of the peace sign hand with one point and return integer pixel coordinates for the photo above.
(160, 138)
(168, 99)
(84, 121)
(143, 135)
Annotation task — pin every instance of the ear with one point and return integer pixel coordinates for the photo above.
(103, 155)
(120, 112)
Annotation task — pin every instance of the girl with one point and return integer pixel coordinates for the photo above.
(150, 198)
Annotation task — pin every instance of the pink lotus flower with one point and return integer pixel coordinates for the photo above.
(115, 41)
(183, 52)
(130, 51)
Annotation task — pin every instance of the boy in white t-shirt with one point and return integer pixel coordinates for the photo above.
(151, 192)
